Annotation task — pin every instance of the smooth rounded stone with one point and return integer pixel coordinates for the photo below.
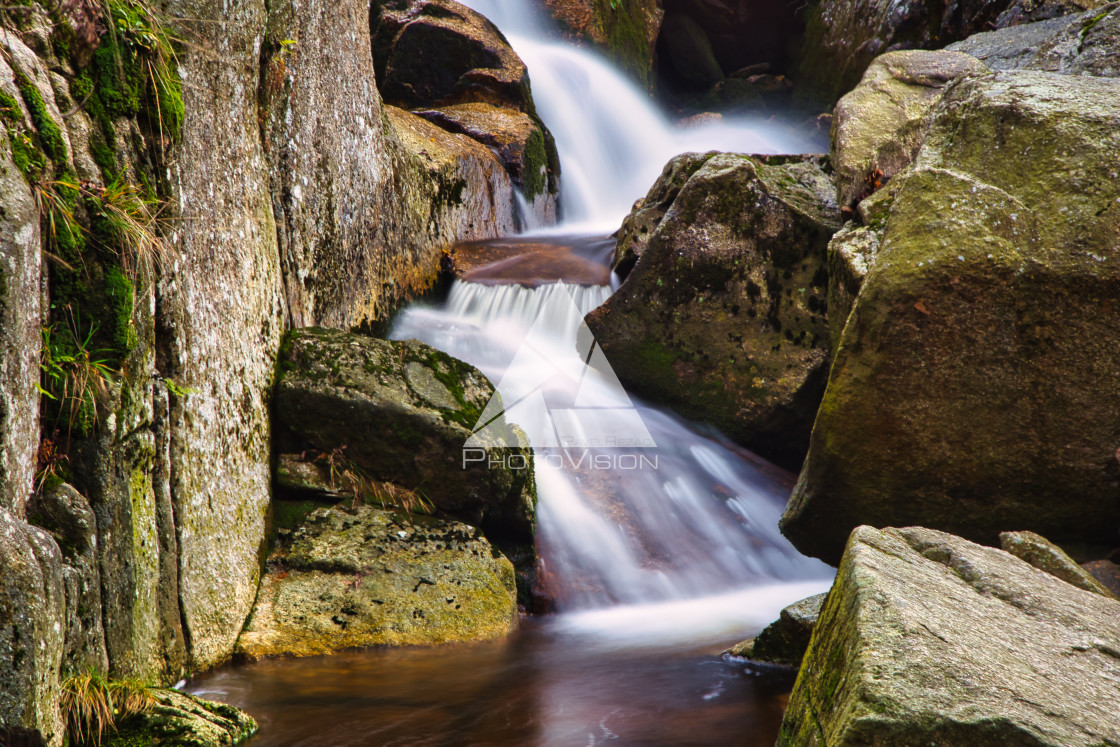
(67, 516)
(1082, 44)
(32, 613)
(723, 315)
(972, 390)
(366, 576)
(364, 403)
(926, 638)
(689, 51)
(877, 128)
(1106, 572)
(519, 141)
(182, 720)
(429, 53)
(1046, 556)
(785, 640)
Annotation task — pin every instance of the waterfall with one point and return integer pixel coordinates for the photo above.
(636, 507)
(612, 140)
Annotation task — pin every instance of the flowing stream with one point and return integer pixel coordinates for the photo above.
(658, 540)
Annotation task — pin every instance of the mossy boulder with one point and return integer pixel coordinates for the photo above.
(785, 640)
(844, 36)
(1046, 556)
(624, 30)
(688, 51)
(926, 638)
(368, 576)
(181, 720)
(1080, 44)
(973, 388)
(723, 315)
(519, 141)
(877, 128)
(401, 412)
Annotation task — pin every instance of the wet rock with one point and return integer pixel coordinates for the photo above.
(429, 53)
(66, 514)
(1046, 556)
(626, 31)
(971, 390)
(402, 412)
(877, 128)
(785, 640)
(843, 37)
(519, 141)
(1082, 44)
(182, 720)
(1106, 572)
(723, 315)
(32, 611)
(368, 577)
(689, 51)
(927, 638)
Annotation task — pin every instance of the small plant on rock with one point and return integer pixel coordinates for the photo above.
(93, 703)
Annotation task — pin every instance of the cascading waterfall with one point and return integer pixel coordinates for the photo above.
(635, 506)
(611, 139)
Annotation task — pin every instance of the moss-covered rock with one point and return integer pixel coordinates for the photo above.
(624, 30)
(877, 128)
(723, 315)
(1081, 44)
(402, 412)
(785, 640)
(973, 387)
(519, 141)
(1046, 556)
(181, 720)
(366, 576)
(926, 638)
(32, 611)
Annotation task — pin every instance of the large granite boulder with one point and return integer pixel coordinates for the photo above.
(844, 36)
(32, 610)
(368, 576)
(878, 127)
(973, 389)
(929, 639)
(402, 412)
(625, 30)
(1081, 44)
(723, 315)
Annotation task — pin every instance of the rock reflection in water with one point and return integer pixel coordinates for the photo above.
(536, 688)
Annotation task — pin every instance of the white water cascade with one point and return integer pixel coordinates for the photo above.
(644, 525)
(612, 140)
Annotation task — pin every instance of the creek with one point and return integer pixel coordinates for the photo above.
(657, 538)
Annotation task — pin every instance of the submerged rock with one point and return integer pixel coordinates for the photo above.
(401, 412)
(1046, 556)
(927, 638)
(974, 386)
(785, 640)
(368, 577)
(181, 720)
(723, 315)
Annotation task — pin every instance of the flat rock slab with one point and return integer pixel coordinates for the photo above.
(927, 638)
(182, 720)
(367, 576)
